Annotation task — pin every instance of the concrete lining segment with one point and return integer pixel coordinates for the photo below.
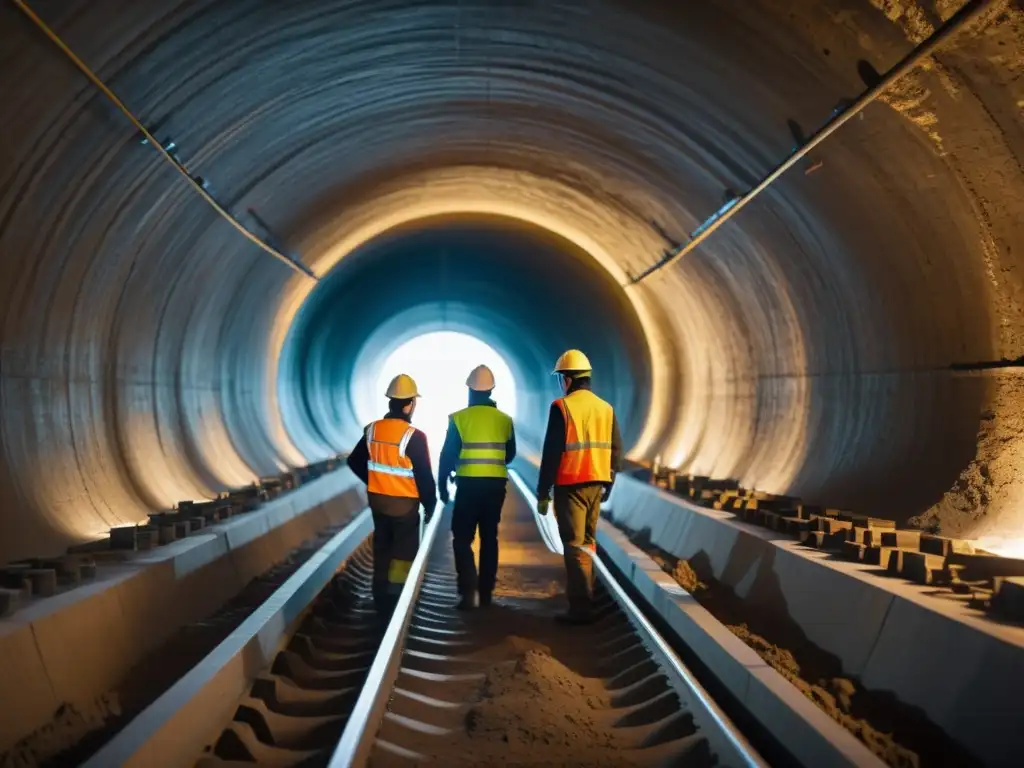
(175, 728)
(812, 737)
(961, 668)
(77, 645)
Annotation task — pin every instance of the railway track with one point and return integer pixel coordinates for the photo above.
(502, 685)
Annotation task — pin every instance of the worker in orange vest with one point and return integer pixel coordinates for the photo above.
(393, 459)
(582, 450)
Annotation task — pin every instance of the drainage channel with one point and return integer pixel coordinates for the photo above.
(279, 686)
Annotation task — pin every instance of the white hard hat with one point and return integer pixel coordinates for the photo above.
(480, 379)
(402, 387)
(573, 361)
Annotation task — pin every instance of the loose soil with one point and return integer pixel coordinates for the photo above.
(75, 734)
(534, 710)
(899, 734)
(988, 497)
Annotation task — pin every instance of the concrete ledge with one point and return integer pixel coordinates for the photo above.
(177, 726)
(811, 736)
(77, 645)
(958, 666)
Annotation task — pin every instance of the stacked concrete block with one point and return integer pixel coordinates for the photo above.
(919, 557)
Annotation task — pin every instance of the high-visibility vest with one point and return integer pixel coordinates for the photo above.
(588, 439)
(484, 431)
(390, 470)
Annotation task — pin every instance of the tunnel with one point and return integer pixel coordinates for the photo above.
(501, 170)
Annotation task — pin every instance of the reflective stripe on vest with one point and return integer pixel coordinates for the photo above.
(588, 439)
(390, 471)
(484, 431)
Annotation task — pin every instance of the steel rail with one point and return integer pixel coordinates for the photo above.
(296, 265)
(173, 730)
(968, 12)
(357, 740)
(733, 748)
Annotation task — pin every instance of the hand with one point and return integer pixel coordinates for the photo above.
(443, 494)
(427, 514)
(542, 506)
(607, 493)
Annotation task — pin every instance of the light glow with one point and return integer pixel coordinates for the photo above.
(1000, 545)
(439, 362)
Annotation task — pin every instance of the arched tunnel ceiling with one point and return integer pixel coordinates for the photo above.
(806, 347)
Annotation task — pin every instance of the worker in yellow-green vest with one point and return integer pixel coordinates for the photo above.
(393, 459)
(582, 450)
(480, 443)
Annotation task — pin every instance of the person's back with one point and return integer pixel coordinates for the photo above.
(393, 459)
(581, 454)
(478, 446)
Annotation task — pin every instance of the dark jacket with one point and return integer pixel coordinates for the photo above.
(449, 459)
(418, 453)
(554, 446)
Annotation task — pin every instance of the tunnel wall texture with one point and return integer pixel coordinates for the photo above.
(806, 347)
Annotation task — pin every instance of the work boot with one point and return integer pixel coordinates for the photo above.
(466, 603)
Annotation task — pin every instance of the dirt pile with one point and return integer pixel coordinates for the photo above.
(835, 696)
(988, 497)
(69, 725)
(533, 710)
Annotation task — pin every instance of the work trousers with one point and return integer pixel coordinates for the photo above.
(478, 503)
(577, 509)
(396, 538)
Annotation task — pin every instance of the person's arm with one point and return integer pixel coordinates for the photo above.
(449, 459)
(359, 458)
(551, 456)
(616, 455)
(510, 445)
(418, 453)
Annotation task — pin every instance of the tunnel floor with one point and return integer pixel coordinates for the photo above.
(541, 693)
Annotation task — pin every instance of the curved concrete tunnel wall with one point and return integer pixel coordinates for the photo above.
(805, 348)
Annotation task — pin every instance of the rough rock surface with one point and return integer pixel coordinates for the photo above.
(988, 497)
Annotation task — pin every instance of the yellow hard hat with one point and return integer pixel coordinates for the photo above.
(480, 379)
(572, 361)
(402, 387)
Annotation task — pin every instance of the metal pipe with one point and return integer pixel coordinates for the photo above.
(967, 13)
(94, 79)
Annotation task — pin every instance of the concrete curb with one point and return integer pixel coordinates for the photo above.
(811, 736)
(76, 646)
(177, 726)
(960, 667)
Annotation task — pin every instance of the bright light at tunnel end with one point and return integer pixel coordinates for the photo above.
(440, 362)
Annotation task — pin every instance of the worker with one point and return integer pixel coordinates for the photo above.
(393, 459)
(581, 454)
(479, 445)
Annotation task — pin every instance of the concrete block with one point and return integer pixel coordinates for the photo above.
(812, 736)
(901, 539)
(922, 567)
